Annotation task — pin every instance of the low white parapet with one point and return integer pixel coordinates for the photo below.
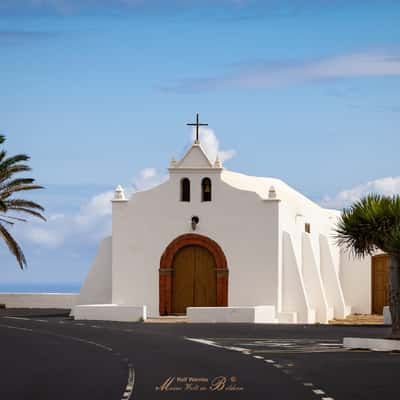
(39, 300)
(287, 317)
(251, 314)
(387, 317)
(110, 312)
(371, 344)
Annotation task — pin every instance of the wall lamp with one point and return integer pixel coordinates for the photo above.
(195, 221)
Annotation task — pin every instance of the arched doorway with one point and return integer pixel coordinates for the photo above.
(193, 272)
(194, 282)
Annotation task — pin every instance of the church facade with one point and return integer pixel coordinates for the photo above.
(209, 237)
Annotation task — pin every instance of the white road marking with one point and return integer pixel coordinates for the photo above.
(276, 365)
(18, 328)
(27, 319)
(234, 348)
(131, 374)
(276, 345)
(101, 346)
(131, 383)
(204, 341)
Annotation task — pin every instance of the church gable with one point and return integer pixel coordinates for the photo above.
(195, 158)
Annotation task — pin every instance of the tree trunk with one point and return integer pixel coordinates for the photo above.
(394, 282)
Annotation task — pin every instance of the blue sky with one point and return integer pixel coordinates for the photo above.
(98, 93)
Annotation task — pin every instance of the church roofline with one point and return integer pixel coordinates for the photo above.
(192, 147)
(194, 159)
(194, 170)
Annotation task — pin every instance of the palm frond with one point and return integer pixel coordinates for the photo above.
(3, 207)
(11, 204)
(6, 193)
(12, 217)
(13, 247)
(9, 186)
(28, 211)
(6, 221)
(6, 173)
(15, 182)
(369, 224)
(14, 160)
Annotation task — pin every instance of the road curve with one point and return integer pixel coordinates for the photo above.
(40, 364)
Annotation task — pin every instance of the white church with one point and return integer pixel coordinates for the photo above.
(220, 246)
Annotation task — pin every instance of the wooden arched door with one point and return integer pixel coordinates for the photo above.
(194, 279)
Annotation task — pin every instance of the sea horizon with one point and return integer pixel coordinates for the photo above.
(53, 287)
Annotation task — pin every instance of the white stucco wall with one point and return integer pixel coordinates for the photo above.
(355, 276)
(294, 296)
(245, 226)
(313, 281)
(271, 260)
(330, 279)
(97, 286)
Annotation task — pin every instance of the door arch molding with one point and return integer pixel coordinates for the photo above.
(166, 269)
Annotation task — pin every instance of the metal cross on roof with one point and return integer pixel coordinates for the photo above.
(197, 124)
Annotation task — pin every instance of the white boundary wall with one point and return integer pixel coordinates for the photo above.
(260, 314)
(110, 312)
(39, 300)
(371, 344)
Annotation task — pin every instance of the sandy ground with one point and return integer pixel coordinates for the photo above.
(354, 319)
(359, 319)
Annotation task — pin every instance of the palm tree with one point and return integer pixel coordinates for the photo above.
(9, 205)
(370, 224)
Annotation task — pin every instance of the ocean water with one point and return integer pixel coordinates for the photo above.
(40, 287)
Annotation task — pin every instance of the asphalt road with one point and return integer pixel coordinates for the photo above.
(45, 355)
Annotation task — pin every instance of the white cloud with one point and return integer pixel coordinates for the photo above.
(147, 179)
(225, 155)
(43, 236)
(148, 173)
(99, 205)
(55, 217)
(269, 74)
(388, 186)
(90, 224)
(92, 221)
(211, 146)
